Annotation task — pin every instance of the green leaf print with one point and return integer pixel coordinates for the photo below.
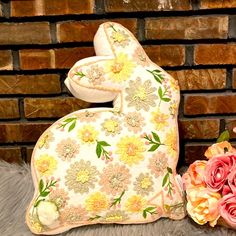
(149, 210)
(154, 141)
(156, 137)
(72, 126)
(163, 95)
(44, 190)
(167, 182)
(117, 200)
(81, 74)
(94, 218)
(41, 185)
(101, 151)
(169, 170)
(69, 121)
(157, 75)
(113, 28)
(165, 179)
(169, 208)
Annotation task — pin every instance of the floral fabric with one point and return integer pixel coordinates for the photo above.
(110, 165)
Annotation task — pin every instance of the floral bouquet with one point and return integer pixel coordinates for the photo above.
(211, 185)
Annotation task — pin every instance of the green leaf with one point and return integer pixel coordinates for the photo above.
(155, 75)
(69, 120)
(224, 136)
(156, 137)
(165, 99)
(94, 218)
(144, 214)
(156, 71)
(41, 185)
(165, 179)
(154, 147)
(104, 143)
(44, 194)
(72, 126)
(37, 203)
(160, 93)
(81, 74)
(150, 209)
(169, 170)
(158, 74)
(99, 150)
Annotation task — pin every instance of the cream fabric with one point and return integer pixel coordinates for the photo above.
(110, 165)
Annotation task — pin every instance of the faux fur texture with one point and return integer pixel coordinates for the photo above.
(16, 190)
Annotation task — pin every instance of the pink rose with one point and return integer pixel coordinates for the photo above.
(226, 190)
(194, 175)
(232, 179)
(227, 208)
(217, 170)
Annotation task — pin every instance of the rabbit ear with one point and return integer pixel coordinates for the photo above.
(114, 46)
(112, 39)
(88, 80)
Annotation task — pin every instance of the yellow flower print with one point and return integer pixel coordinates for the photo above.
(173, 108)
(135, 204)
(88, 134)
(96, 202)
(143, 184)
(111, 126)
(35, 224)
(115, 216)
(45, 140)
(159, 119)
(171, 142)
(120, 68)
(174, 85)
(131, 150)
(120, 38)
(46, 165)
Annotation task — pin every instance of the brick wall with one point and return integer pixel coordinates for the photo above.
(41, 39)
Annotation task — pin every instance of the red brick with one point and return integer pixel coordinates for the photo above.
(200, 79)
(144, 5)
(22, 132)
(30, 84)
(234, 78)
(84, 31)
(25, 33)
(34, 59)
(51, 7)
(207, 4)
(29, 152)
(199, 128)
(11, 154)
(166, 55)
(67, 57)
(9, 109)
(209, 104)
(210, 54)
(62, 7)
(195, 152)
(52, 107)
(200, 27)
(6, 60)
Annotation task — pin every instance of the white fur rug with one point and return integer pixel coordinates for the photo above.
(16, 190)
